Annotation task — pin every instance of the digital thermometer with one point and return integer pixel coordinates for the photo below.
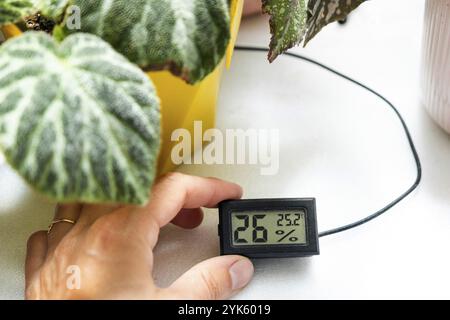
(279, 228)
(269, 228)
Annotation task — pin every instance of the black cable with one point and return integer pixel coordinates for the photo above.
(405, 127)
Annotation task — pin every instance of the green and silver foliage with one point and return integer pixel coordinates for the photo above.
(187, 37)
(292, 21)
(53, 9)
(287, 24)
(14, 10)
(323, 12)
(77, 120)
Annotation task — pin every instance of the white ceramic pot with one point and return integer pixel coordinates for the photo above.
(436, 61)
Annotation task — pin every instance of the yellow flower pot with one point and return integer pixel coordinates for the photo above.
(181, 103)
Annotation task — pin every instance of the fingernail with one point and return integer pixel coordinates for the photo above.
(241, 273)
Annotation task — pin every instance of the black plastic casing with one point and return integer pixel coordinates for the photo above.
(226, 208)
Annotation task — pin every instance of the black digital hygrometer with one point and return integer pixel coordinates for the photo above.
(278, 228)
(268, 228)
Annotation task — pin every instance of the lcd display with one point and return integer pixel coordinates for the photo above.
(269, 227)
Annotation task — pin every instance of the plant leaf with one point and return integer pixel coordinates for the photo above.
(13, 10)
(311, 5)
(52, 9)
(77, 120)
(187, 37)
(324, 12)
(287, 24)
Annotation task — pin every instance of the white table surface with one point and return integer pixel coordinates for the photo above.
(338, 144)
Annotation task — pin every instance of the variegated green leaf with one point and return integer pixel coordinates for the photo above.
(13, 10)
(52, 9)
(323, 12)
(187, 37)
(287, 24)
(311, 5)
(77, 120)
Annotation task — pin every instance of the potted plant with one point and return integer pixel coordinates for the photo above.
(79, 117)
(436, 61)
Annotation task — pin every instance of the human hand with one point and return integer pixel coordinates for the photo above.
(112, 247)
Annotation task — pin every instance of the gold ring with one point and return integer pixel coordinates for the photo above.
(50, 227)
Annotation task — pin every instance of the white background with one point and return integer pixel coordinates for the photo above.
(338, 144)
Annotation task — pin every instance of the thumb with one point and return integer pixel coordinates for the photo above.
(214, 279)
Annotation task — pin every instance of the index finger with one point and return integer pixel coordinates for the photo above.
(177, 191)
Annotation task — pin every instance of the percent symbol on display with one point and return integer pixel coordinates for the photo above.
(285, 235)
